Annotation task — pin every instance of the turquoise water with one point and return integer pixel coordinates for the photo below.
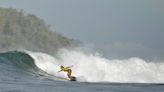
(19, 73)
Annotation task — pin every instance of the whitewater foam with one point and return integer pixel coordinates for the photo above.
(95, 68)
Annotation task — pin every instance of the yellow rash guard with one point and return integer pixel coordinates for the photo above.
(65, 69)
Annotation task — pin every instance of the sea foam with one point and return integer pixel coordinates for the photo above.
(96, 68)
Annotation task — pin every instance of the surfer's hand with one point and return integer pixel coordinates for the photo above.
(70, 66)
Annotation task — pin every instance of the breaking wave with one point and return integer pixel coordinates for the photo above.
(92, 67)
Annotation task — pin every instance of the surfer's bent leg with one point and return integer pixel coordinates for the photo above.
(69, 73)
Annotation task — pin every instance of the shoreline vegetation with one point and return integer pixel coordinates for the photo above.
(26, 31)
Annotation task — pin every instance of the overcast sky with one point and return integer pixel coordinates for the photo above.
(116, 28)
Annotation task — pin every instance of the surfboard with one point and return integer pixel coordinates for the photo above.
(73, 78)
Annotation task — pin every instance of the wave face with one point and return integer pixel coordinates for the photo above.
(16, 65)
(94, 68)
(17, 59)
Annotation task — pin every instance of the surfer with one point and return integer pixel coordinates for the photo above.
(66, 69)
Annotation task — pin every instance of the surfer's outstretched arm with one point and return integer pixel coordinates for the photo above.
(69, 66)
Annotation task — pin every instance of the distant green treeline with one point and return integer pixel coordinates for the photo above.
(26, 31)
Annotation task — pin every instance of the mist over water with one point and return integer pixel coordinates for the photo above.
(96, 68)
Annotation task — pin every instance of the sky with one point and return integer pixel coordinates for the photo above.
(116, 28)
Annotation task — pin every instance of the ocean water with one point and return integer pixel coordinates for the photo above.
(26, 71)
